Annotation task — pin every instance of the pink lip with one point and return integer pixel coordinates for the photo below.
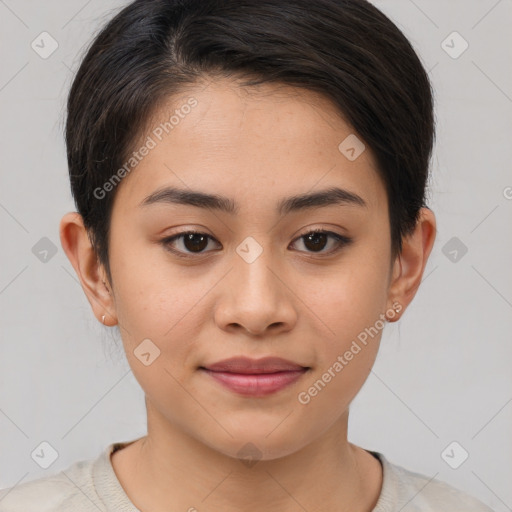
(255, 377)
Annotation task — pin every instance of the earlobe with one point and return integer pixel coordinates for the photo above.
(81, 254)
(410, 263)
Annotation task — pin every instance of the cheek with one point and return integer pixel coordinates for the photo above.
(157, 300)
(351, 306)
(332, 388)
(349, 300)
(352, 311)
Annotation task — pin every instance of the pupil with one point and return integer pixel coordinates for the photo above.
(315, 238)
(191, 243)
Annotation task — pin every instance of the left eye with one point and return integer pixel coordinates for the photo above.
(195, 242)
(317, 239)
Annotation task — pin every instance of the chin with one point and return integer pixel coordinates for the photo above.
(251, 445)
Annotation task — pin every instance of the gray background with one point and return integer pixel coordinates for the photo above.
(443, 372)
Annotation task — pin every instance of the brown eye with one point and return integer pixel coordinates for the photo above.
(192, 242)
(315, 241)
(195, 242)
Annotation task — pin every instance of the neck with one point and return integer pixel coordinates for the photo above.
(169, 469)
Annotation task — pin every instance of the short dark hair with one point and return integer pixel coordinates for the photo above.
(346, 50)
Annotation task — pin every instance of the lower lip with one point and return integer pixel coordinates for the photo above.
(261, 384)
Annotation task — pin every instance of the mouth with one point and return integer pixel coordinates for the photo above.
(255, 377)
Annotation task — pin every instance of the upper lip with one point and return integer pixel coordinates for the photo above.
(248, 365)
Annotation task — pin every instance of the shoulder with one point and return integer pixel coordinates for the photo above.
(70, 489)
(415, 492)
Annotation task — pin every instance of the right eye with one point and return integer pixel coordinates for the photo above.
(193, 241)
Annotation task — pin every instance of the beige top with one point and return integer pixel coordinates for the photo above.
(92, 486)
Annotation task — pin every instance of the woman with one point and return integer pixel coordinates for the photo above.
(250, 179)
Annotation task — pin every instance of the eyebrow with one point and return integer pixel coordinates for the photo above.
(323, 198)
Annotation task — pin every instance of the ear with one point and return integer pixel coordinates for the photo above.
(92, 275)
(410, 263)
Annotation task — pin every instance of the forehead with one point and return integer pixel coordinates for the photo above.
(257, 144)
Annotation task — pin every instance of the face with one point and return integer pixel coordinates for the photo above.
(253, 281)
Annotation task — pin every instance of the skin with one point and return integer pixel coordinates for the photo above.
(256, 146)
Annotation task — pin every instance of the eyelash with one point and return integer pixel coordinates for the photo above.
(341, 241)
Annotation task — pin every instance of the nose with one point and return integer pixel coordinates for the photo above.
(256, 298)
